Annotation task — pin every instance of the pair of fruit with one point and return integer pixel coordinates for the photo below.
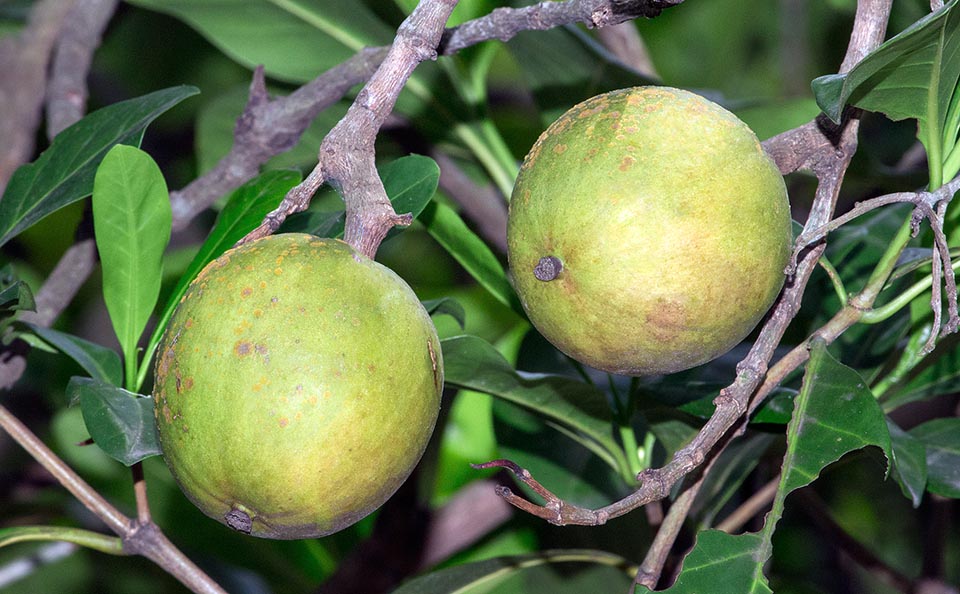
(298, 382)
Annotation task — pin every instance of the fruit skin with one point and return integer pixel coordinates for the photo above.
(297, 385)
(670, 223)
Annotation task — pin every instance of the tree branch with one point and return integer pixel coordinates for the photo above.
(79, 39)
(267, 127)
(23, 82)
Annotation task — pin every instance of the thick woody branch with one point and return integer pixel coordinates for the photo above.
(347, 160)
(269, 127)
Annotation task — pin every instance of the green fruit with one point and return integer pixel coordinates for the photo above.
(648, 231)
(297, 385)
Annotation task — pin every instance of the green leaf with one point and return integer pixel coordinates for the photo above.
(564, 65)
(909, 463)
(577, 408)
(903, 75)
(445, 225)
(936, 375)
(834, 413)
(547, 572)
(15, 295)
(131, 220)
(276, 33)
(410, 183)
(721, 558)
(64, 172)
(449, 306)
(912, 75)
(121, 423)
(942, 440)
(101, 363)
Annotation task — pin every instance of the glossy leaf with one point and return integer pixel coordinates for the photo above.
(121, 423)
(912, 75)
(909, 463)
(131, 220)
(834, 413)
(64, 172)
(448, 306)
(101, 363)
(445, 225)
(721, 558)
(547, 572)
(278, 33)
(472, 363)
(942, 440)
(558, 457)
(410, 183)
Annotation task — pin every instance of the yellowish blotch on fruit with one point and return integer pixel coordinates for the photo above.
(241, 426)
(648, 231)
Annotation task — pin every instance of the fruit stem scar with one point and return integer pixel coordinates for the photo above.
(548, 268)
(239, 520)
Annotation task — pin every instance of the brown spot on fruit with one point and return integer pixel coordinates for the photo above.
(246, 292)
(626, 163)
(310, 359)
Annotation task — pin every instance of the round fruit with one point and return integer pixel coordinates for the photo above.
(297, 385)
(648, 231)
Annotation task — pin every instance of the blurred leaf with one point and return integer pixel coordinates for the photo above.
(120, 422)
(472, 363)
(557, 457)
(720, 558)
(64, 172)
(410, 183)
(597, 570)
(936, 375)
(912, 75)
(243, 212)
(275, 34)
(15, 295)
(942, 440)
(771, 117)
(101, 363)
(909, 463)
(445, 225)
(131, 219)
(913, 258)
(564, 65)
(448, 306)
